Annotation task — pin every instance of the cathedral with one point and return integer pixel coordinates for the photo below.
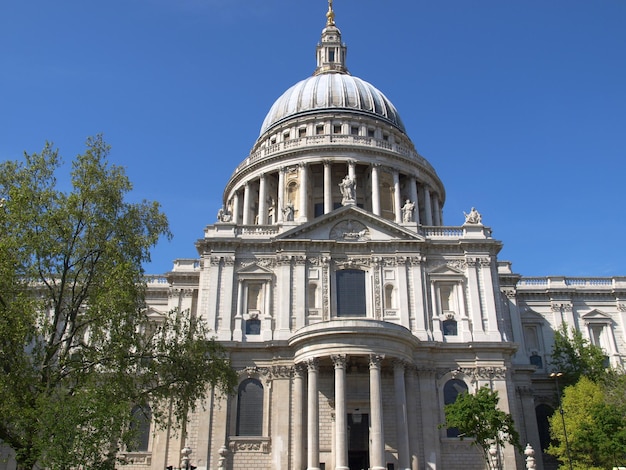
(351, 312)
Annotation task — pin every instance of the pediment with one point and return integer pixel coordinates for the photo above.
(254, 269)
(154, 314)
(350, 224)
(446, 270)
(596, 316)
(530, 316)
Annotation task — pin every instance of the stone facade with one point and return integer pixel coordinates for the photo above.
(351, 312)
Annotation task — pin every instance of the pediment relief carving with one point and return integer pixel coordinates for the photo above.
(350, 223)
(349, 230)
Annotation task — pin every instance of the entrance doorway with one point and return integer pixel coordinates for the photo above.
(358, 441)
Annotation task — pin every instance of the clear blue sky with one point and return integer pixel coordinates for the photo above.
(520, 105)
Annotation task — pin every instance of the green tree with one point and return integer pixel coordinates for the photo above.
(574, 356)
(477, 416)
(596, 430)
(77, 351)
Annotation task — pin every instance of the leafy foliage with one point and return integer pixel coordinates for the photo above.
(477, 416)
(77, 350)
(596, 430)
(574, 356)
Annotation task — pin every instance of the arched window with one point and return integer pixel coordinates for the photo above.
(351, 293)
(312, 294)
(452, 389)
(250, 408)
(140, 418)
(389, 297)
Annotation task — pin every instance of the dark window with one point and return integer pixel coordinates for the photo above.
(452, 389)
(337, 129)
(140, 428)
(331, 56)
(536, 360)
(250, 408)
(351, 293)
(450, 328)
(253, 326)
(370, 132)
(302, 132)
(319, 130)
(354, 130)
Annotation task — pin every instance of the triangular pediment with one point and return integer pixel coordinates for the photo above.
(154, 314)
(596, 316)
(350, 224)
(254, 269)
(446, 270)
(530, 316)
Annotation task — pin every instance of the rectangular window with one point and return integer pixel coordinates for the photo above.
(331, 55)
(319, 130)
(302, 132)
(351, 293)
(354, 130)
(337, 129)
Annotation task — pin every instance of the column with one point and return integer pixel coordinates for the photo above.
(313, 432)
(377, 440)
(341, 424)
(414, 198)
(351, 171)
(238, 330)
(375, 189)
(412, 416)
(488, 271)
(428, 208)
(246, 204)
(328, 190)
(397, 200)
(298, 396)
(304, 192)
(262, 200)
(436, 210)
(236, 207)
(281, 193)
(402, 428)
(478, 333)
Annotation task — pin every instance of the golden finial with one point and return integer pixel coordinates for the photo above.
(330, 15)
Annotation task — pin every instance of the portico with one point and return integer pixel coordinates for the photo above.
(355, 362)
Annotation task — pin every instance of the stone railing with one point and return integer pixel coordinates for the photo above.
(441, 232)
(332, 139)
(556, 282)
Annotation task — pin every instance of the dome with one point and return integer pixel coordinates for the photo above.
(332, 91)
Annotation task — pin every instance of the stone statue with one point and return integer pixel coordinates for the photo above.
(407, 211)
(223, 215)
(473, 217)
(288, 212)
(348, 190)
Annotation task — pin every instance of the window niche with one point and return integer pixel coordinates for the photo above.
(253, 319)
(449, 318)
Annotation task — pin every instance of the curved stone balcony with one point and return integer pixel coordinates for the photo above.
(351, 143)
